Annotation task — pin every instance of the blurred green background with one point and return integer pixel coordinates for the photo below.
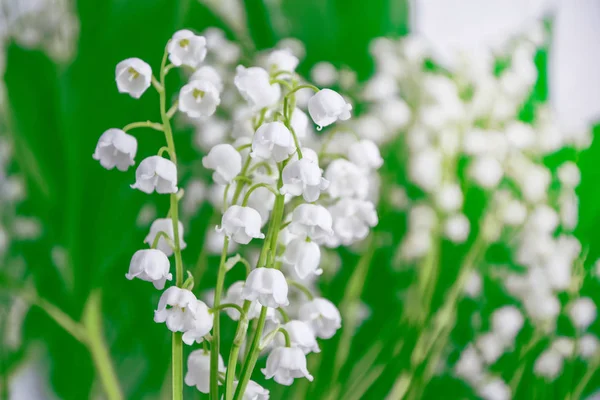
(56, 112)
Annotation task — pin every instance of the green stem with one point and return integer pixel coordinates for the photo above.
(256, 186)
(286, 334)
(301, 288)
(252, 356)
(215, 344)
(143, 124)
(228, 305)
(240, 334)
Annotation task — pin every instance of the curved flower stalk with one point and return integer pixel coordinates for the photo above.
(271, 177)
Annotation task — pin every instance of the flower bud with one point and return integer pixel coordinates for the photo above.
(199, 99)
(241, 224)
(156, 173)
(268, 286)
(151, 266)
(133, 76)
(116, 148)
(186, 48)
(226, 161)
(286, 363)
(327, 106)
(273, 140)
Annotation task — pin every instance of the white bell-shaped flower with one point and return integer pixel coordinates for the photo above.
(186, 48)
(507, 322)
(165, 225)
(241, 224)
(582, 312)
(457, 228)
(200, 325)
(327, 106)
(346, 179)
(199, 99)
(273, 140)
(268, 286)
(286, 363)
(311, 220)
(116, 148)
(352, 219)
(365, 154)
(304, 256)
(210, 74)
(303, 177)
(322, 315)
(225, 160)
(282, 60)
(198, 372)
(255, 87)
(133, 76)
(234, 296)
(449, 197)
(150, 265)
(299, 123)
(156, 173)
(176, 307)
(549, 364)
(301, 336)
(253, 391)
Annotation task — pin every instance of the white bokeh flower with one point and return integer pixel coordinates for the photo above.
(365, 154)
(507, 322)
(311, 220)
(346, 179)
(303, 177)
(322, 315)
(456, 228)
(352, 219)
(241, 224)
(273, 140)
(282, 60)
(209, 74)
(156, 173)
(165, 225)
(255, 87)
(186, 48)
(328, 106)
(225, 160)
(268, 286)
(150, 265)
(304, 256)
(299, 123)
(286, 363)
(583, 312)
(116, 148)
(301, 336)
(199, 99)
(133, 76)
(548, 364)
(198, 370)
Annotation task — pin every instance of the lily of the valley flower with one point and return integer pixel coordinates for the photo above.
(177, 307)
(282, 60)
(301, 336)
(199, 99)
(253, 391)
(346, 179)
(150, 265)
(186, 48)
(304, 256)
(164, 225)
(273, 140)
(208, 73)
(268, 286)
(327, 106)
(156, 173)
(303, 177)
(199, 326)
(254, 86)
(116, 148)
(133, 76)
(323, 317)
(286, 363)
(311, 220)
(225, 160)
(365, 154)
(241, 224)
(198, 373)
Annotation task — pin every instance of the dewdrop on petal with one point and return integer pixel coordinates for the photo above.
(116, 148)
(322, 315)
(151, 266)
(268, 286)
(225, 160)
(198, 370)
(582, 312)
(255, 87)
(241, 224)
(208, 73)
(282, 60)
(156, 173)
(286, 363)
(365, 154)
(133, 76)
(311, 220)
(176, 307)
(328, 106)
(199, 99)
(273, 140)
(186, 48)
(200, 325)
(303, 177)
(304, 256)
(301, 336)
(165, 225)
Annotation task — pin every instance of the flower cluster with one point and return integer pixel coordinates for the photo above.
(279, 185)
